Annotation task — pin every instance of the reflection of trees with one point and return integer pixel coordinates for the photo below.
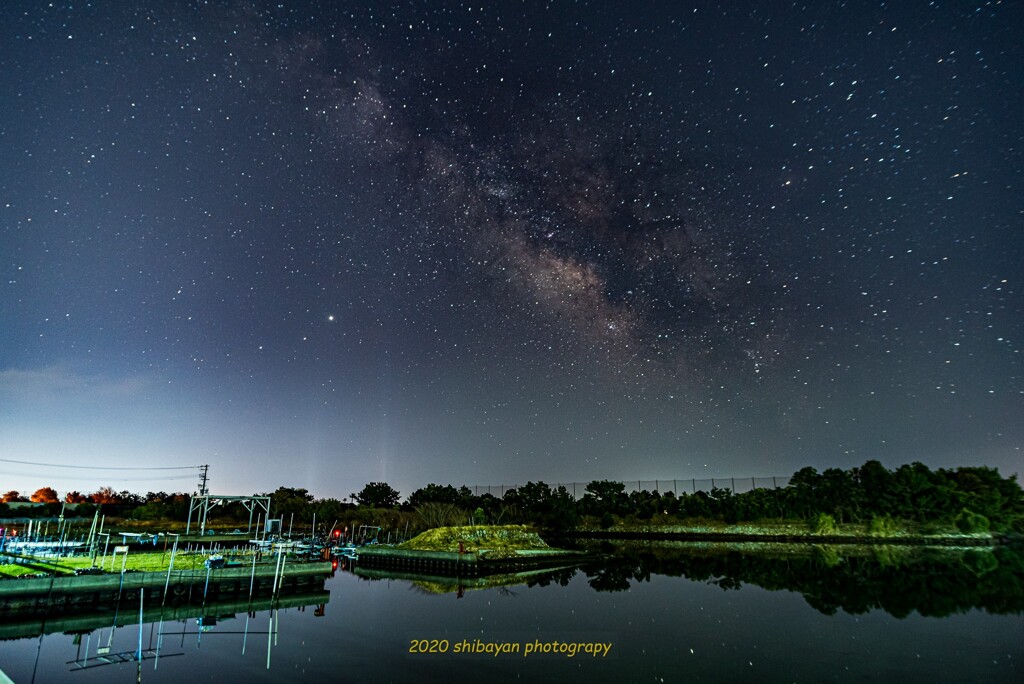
(436, 584)
(933, 582)
(560, 576)
(616, 573)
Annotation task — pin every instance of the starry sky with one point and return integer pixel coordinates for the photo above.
(318, 244)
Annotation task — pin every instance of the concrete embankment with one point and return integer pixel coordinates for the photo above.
(48, 593)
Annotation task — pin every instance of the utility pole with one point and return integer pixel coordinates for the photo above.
(202, 480)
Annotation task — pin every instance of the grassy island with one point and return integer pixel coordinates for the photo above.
(491, 541)
(468, 551)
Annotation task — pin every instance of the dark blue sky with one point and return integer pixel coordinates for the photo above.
(320, 244)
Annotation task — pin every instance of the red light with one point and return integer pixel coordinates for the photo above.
(337, 533)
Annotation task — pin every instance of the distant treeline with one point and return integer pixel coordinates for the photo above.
(973, 499)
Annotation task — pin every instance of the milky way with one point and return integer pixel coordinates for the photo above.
(579, 229)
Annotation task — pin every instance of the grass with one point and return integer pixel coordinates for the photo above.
(13, 571)
(141, 561)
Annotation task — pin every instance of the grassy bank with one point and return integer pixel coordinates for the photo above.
(787, 530)
(143, 561)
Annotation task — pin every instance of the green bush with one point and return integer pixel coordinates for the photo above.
(969, 522)
(822, 523)
(883, 526)
(607, 520)
(154, 510)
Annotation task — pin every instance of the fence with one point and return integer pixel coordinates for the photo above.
(737, 485)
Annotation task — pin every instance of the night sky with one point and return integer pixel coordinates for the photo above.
(318, 244)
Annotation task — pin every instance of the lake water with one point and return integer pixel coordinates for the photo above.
(665, 612)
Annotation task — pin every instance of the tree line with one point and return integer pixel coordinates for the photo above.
(972, 499)
(103, 495)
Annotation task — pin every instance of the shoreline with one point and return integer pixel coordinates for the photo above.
(738, 534)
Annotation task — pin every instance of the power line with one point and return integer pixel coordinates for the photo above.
(57, 465)
(105, 478)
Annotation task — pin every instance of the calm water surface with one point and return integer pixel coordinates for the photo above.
(669, 615)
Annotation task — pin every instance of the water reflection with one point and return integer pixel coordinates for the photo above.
(933, 581)
(114, 616)
(673, 611)
(440, 584)
(130, 631)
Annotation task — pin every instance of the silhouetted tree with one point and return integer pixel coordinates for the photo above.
(378, 495)
(434, 493)
(104, 495)
(290, 501)
(876, 488)
(127, 498)
(605, 496)
(532, 497)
